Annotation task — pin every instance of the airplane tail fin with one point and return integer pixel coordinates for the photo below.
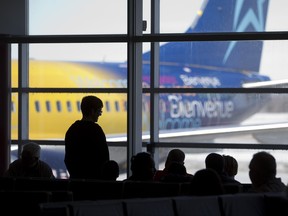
(222, 16)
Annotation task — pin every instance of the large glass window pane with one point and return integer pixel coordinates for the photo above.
(54, 156)
(274, 61)
(14, 66)
(195, 160)
(222, 16)
(177, 18)
(77, 17)
(210, 64)
(78, 66)
(51, 122)
(14, 116)
(223, 118)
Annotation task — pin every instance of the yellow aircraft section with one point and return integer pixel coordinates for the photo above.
(50, 114)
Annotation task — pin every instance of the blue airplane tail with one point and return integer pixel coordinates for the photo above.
(222, 16)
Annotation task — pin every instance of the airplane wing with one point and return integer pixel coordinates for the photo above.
(262, 133)
(283, 83)
(272, 133)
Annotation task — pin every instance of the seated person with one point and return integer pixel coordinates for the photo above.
(216, 162)
(206, 182)
(142, 167)
(175, 155)
(29, 165)
(230, 166)
(176, 172)
(110, 170)
(262, 173)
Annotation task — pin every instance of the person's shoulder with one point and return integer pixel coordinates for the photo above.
(46, 170)
(73, 125)
(44, 164)
(17, 162)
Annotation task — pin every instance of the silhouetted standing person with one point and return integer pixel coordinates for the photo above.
(30, 165)
(86, 148)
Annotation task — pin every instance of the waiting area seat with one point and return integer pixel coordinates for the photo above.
(23, 202)
(69, 196)
(222, 205)
(194, 205)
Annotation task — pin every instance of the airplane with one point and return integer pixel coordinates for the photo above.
(225, 64)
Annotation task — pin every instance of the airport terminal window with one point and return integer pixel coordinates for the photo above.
(78, 105)
(177, 69)
(107, 106)
(125, 105)
(37, 106)
(117, 108)
(69, 106)
(48, 106)
(13, 107)
(58, 105)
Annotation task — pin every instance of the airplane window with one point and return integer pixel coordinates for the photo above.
(37, 106)
(78, 106)
(48, 106)
(117, 106)
(13, 106)
(69, 107)
(58, 105)
(107, 106)
(125, 105)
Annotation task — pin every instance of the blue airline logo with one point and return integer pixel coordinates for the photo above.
(249, 18)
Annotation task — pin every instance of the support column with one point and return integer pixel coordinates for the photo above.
(5, 106)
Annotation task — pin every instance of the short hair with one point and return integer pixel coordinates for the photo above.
(141, 160)
(265, 165)
(175, 155)
(90, 103)
(215, 161)
(110, 170)
(143, 166)
(32, 149)
(206, 182)
(230, 165)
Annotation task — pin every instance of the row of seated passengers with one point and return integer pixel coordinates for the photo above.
(220, 169)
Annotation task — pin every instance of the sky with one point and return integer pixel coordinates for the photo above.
(109, 17)
(98, 17)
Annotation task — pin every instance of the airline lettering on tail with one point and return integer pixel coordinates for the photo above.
(200, 81)
(250, 17)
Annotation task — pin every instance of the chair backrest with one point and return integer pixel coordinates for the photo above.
(103, 207)
(7, 183)
(23, 202)
(54, 209)
(243, 204)
(150, 206)
(276, 203)
(197, 205)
